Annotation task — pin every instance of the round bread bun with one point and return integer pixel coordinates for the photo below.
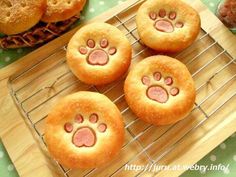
(84, 130)
(167, 25)
(160, 90)
(60, 10)
(99, 53)
(19, 16)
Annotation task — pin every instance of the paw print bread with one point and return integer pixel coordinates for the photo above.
(167, 25)
(99, 53)
(60, 10)
(21, 15)
(160, 90)
(84, 130)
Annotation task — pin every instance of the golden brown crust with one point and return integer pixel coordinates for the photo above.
(19, 16)
(107, 145)
(177, 107)
(96, 74)
(175, 41)
(60, 10)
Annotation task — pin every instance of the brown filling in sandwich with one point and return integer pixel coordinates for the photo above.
(27, 23)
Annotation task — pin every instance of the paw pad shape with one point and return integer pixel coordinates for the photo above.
(158, 90)
(165, 22)
(97, 54)
(84, 136)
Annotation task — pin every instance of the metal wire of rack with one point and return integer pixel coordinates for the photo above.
(20, 102)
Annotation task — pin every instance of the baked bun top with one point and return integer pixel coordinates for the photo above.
(19, 16)
(160, 90)
(99, 53)
(60, 10)
(84, 130)
(167, 25)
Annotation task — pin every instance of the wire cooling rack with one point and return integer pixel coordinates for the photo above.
(36, 89)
